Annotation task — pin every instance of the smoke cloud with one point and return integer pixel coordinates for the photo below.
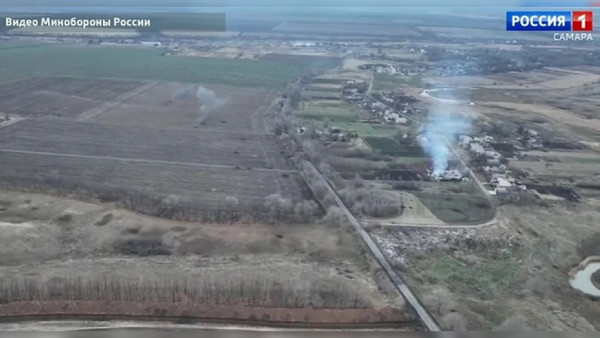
(209, 102)
(442, 126)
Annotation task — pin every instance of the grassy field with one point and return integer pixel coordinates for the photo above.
(482, 280)
(141, 64)
(335, 111)
(406, 160)
(458, 208)
(386, 82)
(388, 146)
(367, 129)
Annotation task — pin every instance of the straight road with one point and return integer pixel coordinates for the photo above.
(424, 316)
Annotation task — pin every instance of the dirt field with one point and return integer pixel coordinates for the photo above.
(198, 146)
(144, 104)
(556, 170)
(208, 188)
(559, 115)
(173, 105)
(144, 139)
(257, 272)
(64, 97)
(544, 79)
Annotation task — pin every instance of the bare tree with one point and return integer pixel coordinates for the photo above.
(295, 97)
(277, 206)
(379, 204)
(306, 210)
(335, 216)
(231, 201)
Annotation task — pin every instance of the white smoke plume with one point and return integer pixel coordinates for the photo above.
(209, 102)
(442, 126)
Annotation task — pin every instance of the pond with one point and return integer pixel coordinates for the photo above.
(582, 280)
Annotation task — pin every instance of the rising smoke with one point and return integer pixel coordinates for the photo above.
(209, 102)
(443, 125)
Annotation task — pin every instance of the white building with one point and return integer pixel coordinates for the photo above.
(503, 183)
(151, 43)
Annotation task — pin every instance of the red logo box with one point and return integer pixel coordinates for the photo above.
(583, 20)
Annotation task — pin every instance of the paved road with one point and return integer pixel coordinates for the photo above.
(424, 316)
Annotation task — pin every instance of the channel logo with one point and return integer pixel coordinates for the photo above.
(577, 21)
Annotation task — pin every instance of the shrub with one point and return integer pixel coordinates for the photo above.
(335, 216)
(453, 321)
(142, 247)
(105, 220)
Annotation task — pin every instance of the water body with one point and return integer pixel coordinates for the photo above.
(582, 280)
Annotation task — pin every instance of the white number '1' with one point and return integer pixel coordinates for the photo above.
(581, 19)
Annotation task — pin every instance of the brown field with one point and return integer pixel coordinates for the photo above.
(173, 105)
(64, 257)
(192, 146)
(137, 144)
(64, 97)
(176, 221)
(561, 116)
(542, 168)
(543, 79)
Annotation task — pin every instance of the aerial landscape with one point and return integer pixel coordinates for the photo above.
(309, 169)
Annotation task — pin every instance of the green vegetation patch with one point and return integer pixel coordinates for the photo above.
(309, 94)
(323, 88)
(141, 64)
(388, 82)
(461, 209)
(482, 279)
(330, 81)
(367, 129)
(332, 110)
(387, 146)
(408, 161)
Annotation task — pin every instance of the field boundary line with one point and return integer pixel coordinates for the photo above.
(106, 106)
(11, 122)
(138, 160)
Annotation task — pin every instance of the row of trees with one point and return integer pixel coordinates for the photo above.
(280, 208)
(371, 202)
(274, 209)
(218, 288)
(359, 198)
